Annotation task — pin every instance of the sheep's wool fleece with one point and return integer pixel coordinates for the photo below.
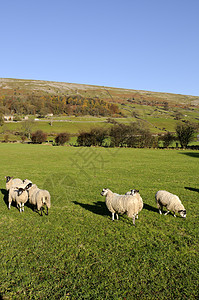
(169, 200)
(13, 183)
(122, 204)
(23, 198)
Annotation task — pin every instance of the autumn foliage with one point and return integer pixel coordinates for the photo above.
(69, 105)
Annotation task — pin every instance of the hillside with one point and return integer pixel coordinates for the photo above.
(82, 106)
(22, 88)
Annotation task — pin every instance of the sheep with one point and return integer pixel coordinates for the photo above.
(19, 195)
(132, 192)
(10, 181)
(39, 198)
(27, 181)
(129, 204)
(171, 202)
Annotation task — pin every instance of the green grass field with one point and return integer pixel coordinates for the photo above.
(77, 252)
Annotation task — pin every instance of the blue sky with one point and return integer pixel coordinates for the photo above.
(137, 44)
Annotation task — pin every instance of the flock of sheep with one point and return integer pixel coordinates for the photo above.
(131, 203)
(22, 191)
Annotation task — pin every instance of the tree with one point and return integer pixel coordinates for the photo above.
(185, 133)
(98, 135)
(84, 139)
(62, 138)
(167, 139)
(26, 127)
(38, 137)
(1, 120)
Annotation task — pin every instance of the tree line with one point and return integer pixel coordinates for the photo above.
(133, 135)
(43, 105)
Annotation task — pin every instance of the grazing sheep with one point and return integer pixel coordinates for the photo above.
(171, 202)
(43, 198)
(19, 195)
(39, 197)
(129, 204)
(11, 182)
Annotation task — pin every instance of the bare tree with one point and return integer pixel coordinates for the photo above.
(26, 128)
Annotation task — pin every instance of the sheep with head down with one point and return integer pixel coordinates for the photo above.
(39, 198)
(120, 204)
(171, 202)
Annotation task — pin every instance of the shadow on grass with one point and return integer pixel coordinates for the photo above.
(150, 208)
(191, 189)
(192, 154)
(5, 196)
(98, 207)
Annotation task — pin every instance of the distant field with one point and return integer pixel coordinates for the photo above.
(77, 252)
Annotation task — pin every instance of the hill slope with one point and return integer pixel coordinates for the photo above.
(21, 88)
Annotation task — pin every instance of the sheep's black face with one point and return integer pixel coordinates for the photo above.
(104, 192)
(182, 213)
(28, 186)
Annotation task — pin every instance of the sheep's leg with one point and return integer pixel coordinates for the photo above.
(134, 220)
(9, 204)
(46, 210)
(22, 206)
(167, 213)
(136, 216)
(41, 209)
(159, 207)
(117, 216)
(112, 216)
(19, 206)
(174, 214)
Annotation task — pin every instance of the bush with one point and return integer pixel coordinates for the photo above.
(38, 137)
(95, 137)
(62, 138)
(167, 139)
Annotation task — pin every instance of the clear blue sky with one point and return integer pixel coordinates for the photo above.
(138, 44)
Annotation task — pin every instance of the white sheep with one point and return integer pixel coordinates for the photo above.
(19, 195)
(39, 197)
(120, 204)
(171, 202)
(12, 182)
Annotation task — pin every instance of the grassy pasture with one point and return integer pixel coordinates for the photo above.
(77, 252)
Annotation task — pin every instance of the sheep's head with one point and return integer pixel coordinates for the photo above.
(134, 192)
(28, 186)
(8, 178)
(104, 192)
(182, 213)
